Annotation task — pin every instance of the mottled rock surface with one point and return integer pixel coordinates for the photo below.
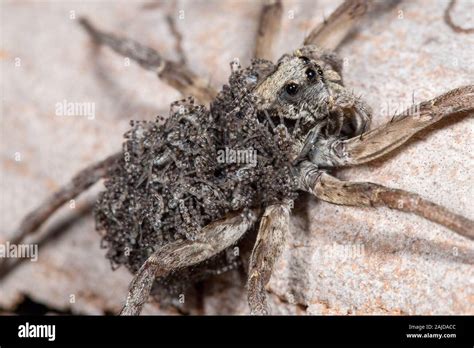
(338, 260)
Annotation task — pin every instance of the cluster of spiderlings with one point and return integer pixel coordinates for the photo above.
(245, 126)
(170, 182)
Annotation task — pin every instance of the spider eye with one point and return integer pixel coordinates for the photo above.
(291, 88)
(310, 74)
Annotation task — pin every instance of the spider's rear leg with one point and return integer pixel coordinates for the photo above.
(79, 183)
(176, 74)
(367, 194)
(274, 228)
(268, 29)
(215, 238)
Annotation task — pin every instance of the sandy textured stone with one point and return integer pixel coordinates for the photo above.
(393, 262)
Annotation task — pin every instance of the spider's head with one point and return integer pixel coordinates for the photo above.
(296, 89)
(296, 92)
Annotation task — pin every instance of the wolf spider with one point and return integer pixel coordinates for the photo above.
(324, 127)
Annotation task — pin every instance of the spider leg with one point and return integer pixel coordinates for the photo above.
(333, 30)
(367, 194)
(215, 237)
(272, 233)
(384, 139)
(79, 183)
(175, 74)
(268, 29)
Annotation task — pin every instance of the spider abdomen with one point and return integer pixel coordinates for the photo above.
(202, 163)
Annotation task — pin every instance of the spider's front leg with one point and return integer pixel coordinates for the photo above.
(214, 238)
(380, 141)
(367, 194)
(274, 228)
(335, 29)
